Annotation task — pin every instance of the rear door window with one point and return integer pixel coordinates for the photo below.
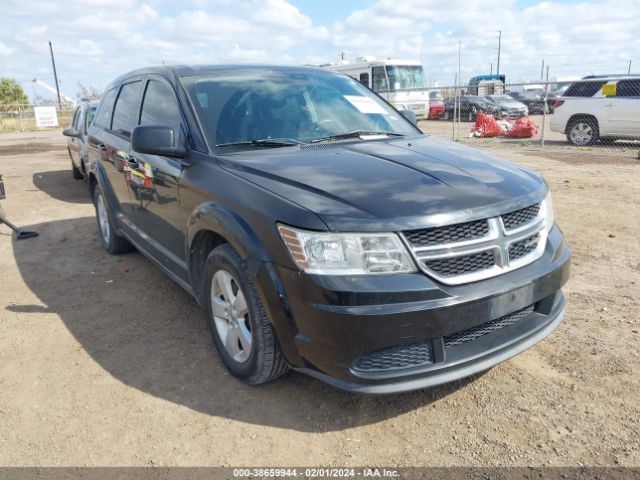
(628, 88)
(160, 107)
(127, 109)
(584, 89)
(103, 115)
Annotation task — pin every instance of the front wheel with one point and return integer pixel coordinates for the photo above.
(583, 132)
(241, 331)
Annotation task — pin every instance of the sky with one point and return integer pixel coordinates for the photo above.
(94, 41)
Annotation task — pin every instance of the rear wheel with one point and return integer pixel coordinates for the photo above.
(110, 240)
(472, 115)
(241, 331)
(583, 132)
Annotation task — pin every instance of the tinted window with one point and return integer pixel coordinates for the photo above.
(125, 114)
(584, 89)
(628, 88)
(91, 112)
(160, 107)
(379, 79)
(103, 115)
(364, 79)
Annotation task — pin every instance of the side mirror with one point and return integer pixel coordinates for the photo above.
(156, 140)
(71, 132)
(410, 115)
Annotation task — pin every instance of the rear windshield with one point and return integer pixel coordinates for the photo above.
(248, 105)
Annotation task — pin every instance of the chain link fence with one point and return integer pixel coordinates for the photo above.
(22, 118)
(597, 113)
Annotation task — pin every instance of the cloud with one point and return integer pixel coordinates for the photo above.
(96, 40)
(6, 51)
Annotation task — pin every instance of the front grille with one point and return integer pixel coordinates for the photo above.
(474, 333)
(520, 217)
(450, 267)
(395, 358)
(459, 232)
(476, 250)
(523, 247)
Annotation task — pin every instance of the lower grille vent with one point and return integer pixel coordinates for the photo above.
(395, 358)
(474, 333)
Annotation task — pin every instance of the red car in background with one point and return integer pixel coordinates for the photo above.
(436, 105)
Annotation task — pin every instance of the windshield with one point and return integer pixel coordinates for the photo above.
(240, 106)
(403, 77)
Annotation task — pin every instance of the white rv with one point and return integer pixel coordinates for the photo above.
(399, 82)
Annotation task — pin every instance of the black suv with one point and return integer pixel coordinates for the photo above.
(469, 106)
(321, 230)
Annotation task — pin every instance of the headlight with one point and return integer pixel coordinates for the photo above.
(546, 209)
(327, 253)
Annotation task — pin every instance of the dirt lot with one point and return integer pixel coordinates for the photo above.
(105, 361)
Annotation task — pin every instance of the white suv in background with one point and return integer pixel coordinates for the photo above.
(599, 108)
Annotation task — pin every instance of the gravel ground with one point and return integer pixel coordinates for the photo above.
(105, 361)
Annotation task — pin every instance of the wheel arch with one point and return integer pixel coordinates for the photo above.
(212, 224)
(581, 116)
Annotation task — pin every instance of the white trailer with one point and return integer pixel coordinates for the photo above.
(400, 82)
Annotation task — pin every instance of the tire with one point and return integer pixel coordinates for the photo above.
(583, 132)
(472, 114)
(110, 240)
(241, 331)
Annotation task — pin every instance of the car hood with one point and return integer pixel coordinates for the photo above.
(390, 185)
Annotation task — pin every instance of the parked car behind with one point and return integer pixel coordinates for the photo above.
(533, 99)
(77, 137)
(508, 107)
(436, 105)
(596, 109)
(469, 106)
(321, 230)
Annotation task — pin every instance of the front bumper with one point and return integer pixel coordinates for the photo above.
(338, 321)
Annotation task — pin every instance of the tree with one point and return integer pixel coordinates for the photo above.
(11, 95)
(87, 93)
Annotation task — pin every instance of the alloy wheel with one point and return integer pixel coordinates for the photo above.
(103, 219)
(231, 315)
(581, 133)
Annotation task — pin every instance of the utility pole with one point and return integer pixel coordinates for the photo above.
(342, 54)
(542, 70)
(499, 45)
(491, 68)
(55, 76)
(629, 69)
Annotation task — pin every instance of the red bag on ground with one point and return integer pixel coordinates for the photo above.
(523, 128)
(486, 126)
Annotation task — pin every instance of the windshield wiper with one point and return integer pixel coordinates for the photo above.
(264, 142)
(355, 134)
